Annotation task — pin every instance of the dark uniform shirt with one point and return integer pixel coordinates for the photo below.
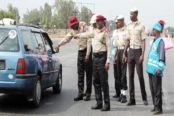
(161, 51)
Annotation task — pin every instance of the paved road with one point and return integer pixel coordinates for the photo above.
(63, 104)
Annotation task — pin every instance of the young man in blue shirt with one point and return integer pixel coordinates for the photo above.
(155, 67)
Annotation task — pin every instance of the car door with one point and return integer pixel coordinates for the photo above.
(50, 53)
(43, 59)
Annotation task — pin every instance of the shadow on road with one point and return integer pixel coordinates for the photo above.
(50, 104)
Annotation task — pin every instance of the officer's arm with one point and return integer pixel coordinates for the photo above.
(113, 44)
(85, 35)
(143, 46)
(89, 45)
(127, 42)
(66, 40)
(143, 36)
(161, 50)
(108, 46)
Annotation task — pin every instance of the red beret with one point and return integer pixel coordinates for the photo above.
(72, 21)
(100, 17)
(161, 22)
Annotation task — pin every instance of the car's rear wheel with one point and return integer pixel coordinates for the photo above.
(57, 88)
(36, 94)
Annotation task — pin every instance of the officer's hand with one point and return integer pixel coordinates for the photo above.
(56, 49)
(107, 66)
(141, 59)
(124, 59)
(86, 58)
(158, 72)
(115, 62)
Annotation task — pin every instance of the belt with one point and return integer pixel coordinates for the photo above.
(135, 47)
(84, 50)
(121, 48)
(99, 54)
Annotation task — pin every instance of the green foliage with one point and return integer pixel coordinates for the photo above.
(85, 14)
(46, 16)
(63, 10)
(56, 16)
(32, 17)
(170, 30)
(12, 13)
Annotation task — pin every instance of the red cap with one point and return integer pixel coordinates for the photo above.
(72, 21)
(162, 22)
(100, 17)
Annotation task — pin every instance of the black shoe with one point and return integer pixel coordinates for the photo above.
(123, 99)
(118, 99)
(84, 94)
(158, 112)
(87, 98)
(153, 110)
(97, 106)
(106, 108)
(116, 96)
(145, 102)
(78, 98)
(131, 102)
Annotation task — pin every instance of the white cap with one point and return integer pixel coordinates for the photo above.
(120, 17)
(93, 19)
(134, 9)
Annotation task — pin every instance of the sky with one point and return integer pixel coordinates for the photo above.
(150, 11)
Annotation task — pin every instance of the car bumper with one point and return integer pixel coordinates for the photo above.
(21, 85)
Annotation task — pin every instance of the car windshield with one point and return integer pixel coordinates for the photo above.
(8, 40)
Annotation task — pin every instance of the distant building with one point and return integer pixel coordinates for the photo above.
(7, 21)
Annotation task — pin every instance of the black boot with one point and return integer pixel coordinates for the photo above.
(131, 102)
(78, 98)
(116, 96)
(145, 102)
(119, 98)
(106, 107)
(153, 110)
(97, 106)
(158, 112)
(123, 99)
(87, 98)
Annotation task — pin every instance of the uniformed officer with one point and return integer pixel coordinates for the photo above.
(84, 63)
(120, 42)
(101, 60)
(155, 67)
(136, 44)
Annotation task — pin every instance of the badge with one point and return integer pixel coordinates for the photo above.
(12, 34)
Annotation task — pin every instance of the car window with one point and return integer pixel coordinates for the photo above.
(41, 45)
(7, 43)
(30, 43)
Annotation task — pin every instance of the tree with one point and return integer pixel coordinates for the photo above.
(85, 14)
(12, 13)
(46, 17)
(63, 10)
(170, 30)
(32, 17)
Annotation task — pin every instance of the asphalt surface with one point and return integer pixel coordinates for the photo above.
(63, 104)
